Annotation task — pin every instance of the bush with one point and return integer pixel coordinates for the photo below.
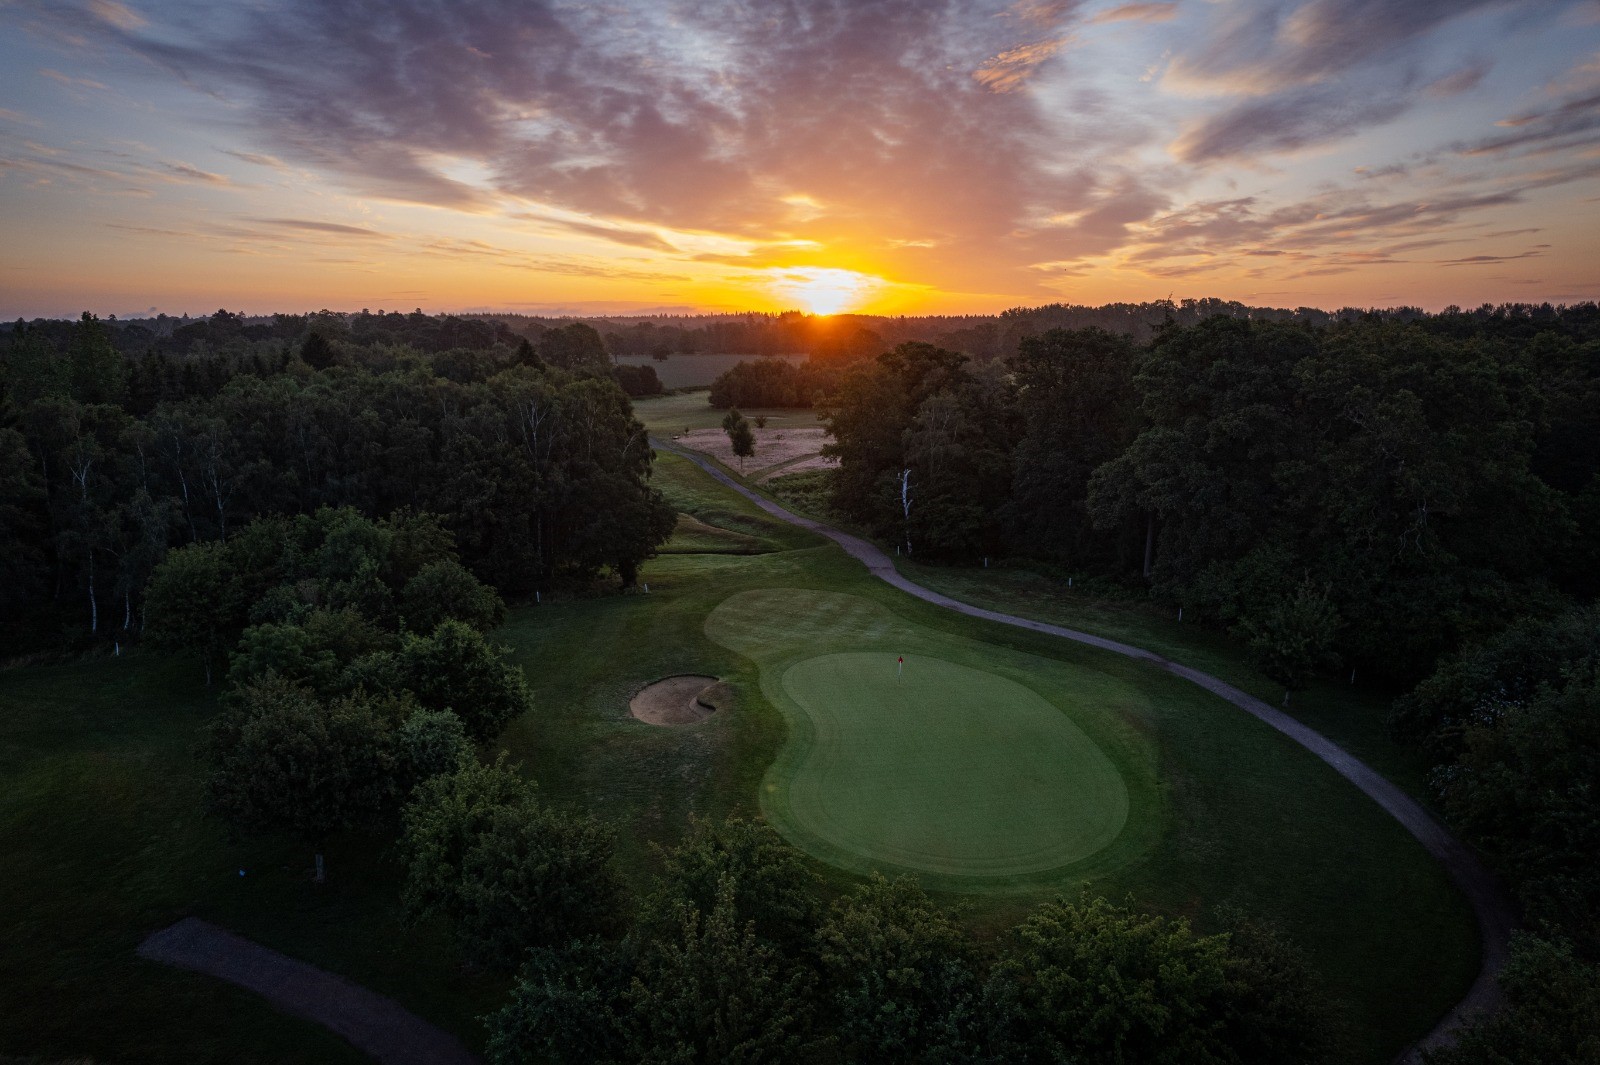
(455, 669)
(444, 591)
(508, 872)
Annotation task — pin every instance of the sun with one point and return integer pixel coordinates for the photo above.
(824, 290)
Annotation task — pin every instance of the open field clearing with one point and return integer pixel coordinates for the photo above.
(669, 416)
(694, 371)
(776, 447)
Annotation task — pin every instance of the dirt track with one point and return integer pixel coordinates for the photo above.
(1494, 912)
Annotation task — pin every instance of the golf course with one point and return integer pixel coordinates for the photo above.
(1001, 768)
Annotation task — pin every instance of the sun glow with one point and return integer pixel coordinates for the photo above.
(824, 290)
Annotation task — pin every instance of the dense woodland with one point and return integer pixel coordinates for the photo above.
(529, 455)
(332, 510)
(1417, 501)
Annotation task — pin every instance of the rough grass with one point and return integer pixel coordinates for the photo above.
(691, 536)
(775, 446)
(104, 840)
(1350, 715)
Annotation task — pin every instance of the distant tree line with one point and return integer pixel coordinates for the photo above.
(109, 459)
(846, 337)
(772, 382)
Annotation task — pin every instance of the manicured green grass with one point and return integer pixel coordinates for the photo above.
(104, 841)
(953, 770)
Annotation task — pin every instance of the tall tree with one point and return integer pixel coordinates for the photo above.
(284, 761)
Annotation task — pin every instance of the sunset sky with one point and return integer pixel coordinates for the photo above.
(902, 156)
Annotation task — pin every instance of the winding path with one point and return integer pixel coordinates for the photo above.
(1493, 910)
(379, 1027)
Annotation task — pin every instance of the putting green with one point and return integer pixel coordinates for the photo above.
(947, 769)
(979, 769)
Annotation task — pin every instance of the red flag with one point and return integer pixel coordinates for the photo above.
(902, 659)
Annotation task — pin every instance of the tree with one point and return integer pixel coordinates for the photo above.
(311, 651)
(574, 347)
(284, 761)
(740, 436)
(1276, 1009)
(536, 877)
(958, 454)
(455, 669)
(638, 381)
(97, 373)
(1090, 981)
(432, 742)
(508, 872)
(1523, 788)
(1076, 402)
(526, 356)
(713, 990)
(192, 603)
(1510, 665)
(901, 977)
(1295, 639)
(772, 888)
(868, 417)
(444, 591)
(22, 523)
(316, 352)
(1552, 1012)
(567, 1007)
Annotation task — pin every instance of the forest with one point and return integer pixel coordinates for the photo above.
(1416, 501)
(331, 512)
(531, 457)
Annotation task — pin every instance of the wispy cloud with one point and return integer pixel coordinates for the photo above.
(117, 14)
(304, 225)
(257, 159)
(72, 81)
(1155, 12)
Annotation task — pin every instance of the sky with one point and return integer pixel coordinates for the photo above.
(881, 156)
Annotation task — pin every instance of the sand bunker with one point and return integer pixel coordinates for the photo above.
(682, 700)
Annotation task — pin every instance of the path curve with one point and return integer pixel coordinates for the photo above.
(1494, 912)
(379, 1027)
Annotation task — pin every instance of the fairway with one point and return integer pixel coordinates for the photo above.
(946, 769)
